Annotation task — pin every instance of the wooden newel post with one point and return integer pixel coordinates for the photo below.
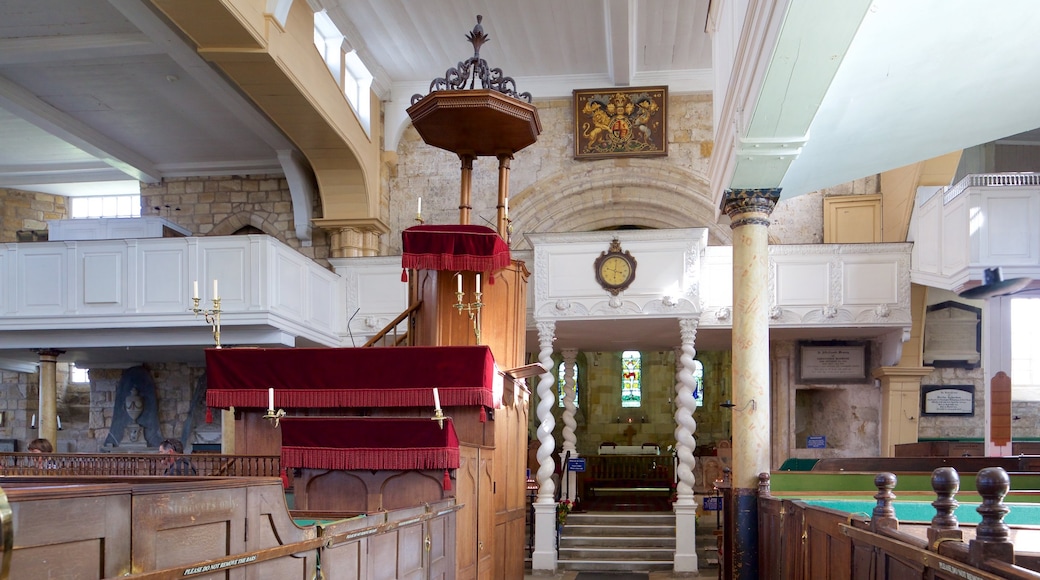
(764, 489)
(945, 482)
(992, 536)
(884, 515)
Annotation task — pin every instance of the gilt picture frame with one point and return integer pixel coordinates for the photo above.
(612, 122)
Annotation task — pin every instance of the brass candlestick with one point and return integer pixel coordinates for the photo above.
(439, 417)
(473, 309)
(274, 416)
(212, 316)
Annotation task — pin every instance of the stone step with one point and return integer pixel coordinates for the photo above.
(617, 542)
(618, 530)
(642, 554)
(621, 518)
(614, 565)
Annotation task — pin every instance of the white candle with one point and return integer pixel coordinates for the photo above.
(418, 209)
(459, 277)
(215, 294)
(270, 398)
(436, 399)
(195, 289)
(58, 417)
(478, 282)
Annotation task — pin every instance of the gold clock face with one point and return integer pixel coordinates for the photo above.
(615, 271)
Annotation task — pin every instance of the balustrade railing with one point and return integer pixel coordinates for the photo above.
(113, 464)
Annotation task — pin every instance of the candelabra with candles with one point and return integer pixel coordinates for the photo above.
(271, 414)
(212, 315)
(471, 308)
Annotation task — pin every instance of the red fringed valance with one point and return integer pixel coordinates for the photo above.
(352, 377)
(368, 443)
(454, 247)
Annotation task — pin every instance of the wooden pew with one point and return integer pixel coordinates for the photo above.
(198, 527)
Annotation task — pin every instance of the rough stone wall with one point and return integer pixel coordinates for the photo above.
(848, 415)
(28, 211)
(601, 417)
(173, 382)
(219, 206)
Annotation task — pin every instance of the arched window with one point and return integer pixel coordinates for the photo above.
(631, 375)
(561, 381)
(698, 383)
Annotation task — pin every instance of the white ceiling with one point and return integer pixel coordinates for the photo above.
(97, 92)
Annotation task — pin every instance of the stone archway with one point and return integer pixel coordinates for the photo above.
(235, 222)
(640, 193)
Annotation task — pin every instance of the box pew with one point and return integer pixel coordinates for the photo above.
(803, 538)
(168, 527)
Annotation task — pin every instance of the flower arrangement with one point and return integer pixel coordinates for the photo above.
(562, 509)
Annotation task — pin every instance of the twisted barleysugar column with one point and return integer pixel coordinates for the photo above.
(569, 424)
(686, 426)
(546, 400)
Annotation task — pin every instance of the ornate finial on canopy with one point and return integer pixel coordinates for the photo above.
(474, 68)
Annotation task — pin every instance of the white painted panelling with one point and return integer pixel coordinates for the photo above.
(928, 236)
(1010, 236)
(870, 283)
(163, 279)
(802, 283)
(381, 291)
(228, 265)
(290, 282)
(717, 277)
(325, 296)
(103, 278)
(955, 231)
(40, 289)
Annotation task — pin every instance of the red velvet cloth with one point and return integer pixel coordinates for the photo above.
(368, 443)
(402, 376)
(454, 247)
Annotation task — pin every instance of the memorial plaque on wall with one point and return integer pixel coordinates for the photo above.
(948, 400)
(833, 362)
(952, 335)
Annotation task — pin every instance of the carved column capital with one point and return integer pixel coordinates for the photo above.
(750, 206)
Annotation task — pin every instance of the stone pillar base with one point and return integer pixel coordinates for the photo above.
(685, 559)
(544, 555)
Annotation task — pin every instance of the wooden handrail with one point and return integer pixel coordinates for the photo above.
(409, 314)
(136, 464)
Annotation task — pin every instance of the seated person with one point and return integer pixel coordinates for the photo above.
(42, 446)
(177, 463)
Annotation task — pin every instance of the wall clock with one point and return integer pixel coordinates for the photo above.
(615, 268)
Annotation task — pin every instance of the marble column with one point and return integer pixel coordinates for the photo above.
(544, 555)
(570, 355)
(749, 211)
(685, 507)
(48, 412)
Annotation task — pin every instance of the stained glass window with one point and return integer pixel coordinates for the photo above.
(698, 383)
(631, 374)
(561, 380)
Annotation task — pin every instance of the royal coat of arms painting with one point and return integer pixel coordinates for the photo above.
(620, 122)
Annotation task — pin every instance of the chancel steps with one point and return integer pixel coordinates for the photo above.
(620, 542)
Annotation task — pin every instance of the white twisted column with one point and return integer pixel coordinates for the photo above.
(544, 555)
(685, 559)
(570, 355)
(685, 404)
